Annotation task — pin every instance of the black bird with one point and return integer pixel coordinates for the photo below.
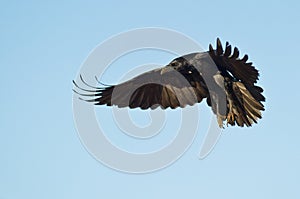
(227, 81)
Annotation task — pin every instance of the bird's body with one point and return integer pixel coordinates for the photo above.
(227, 82)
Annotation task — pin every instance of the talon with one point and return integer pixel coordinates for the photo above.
(220, 121)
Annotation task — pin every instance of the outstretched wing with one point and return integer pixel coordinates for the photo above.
(241, 70)
(148, 90)
(243, 96)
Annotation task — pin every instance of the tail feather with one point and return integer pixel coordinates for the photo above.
(246, 109)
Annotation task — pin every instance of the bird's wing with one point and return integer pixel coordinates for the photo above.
(243, 96)
(241, 70)
(149, 90)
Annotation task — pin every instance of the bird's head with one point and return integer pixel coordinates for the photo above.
(179, 64)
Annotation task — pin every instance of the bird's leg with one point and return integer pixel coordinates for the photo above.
(219, 111)
(220, 119)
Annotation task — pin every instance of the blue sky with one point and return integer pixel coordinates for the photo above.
(43, 45)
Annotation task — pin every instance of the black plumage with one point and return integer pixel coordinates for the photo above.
(227, 81)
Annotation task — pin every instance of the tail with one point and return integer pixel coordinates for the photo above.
(243, 108)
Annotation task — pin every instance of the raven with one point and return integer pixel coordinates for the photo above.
(226, 81)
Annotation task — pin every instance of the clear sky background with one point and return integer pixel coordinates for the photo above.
(43, 44)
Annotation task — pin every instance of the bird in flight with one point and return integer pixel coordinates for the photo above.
(226, 81)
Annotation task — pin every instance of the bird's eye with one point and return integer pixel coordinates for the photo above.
(173, 64)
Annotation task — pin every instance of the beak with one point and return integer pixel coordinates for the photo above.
(166, 69)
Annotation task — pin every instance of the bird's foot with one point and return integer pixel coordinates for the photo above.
(221, 119)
